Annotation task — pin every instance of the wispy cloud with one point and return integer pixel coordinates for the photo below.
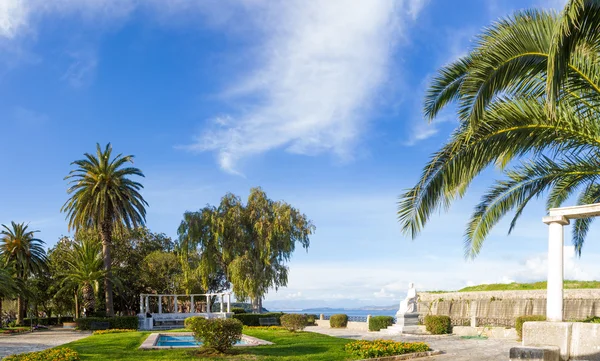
(82, 69)
(13, 17)
(323, 64)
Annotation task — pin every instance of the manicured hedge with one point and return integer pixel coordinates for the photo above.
(338, 321)
(293, 322)
(55, 354)
(238, 310)
(377, 323)
(122, 322)
(48, 321)
(519, 321)
(251, 319)
(220, 334)
(383, 348)
(438, 325)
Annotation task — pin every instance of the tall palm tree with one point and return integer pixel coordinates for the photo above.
(104, 199)
(506, 115)
(25, 253)
(84, 271)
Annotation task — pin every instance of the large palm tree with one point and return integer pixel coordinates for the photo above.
(511, 110)
(20, 249)
(84, 271)
(103, 198)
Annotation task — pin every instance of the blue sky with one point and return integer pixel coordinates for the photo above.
(318, 102)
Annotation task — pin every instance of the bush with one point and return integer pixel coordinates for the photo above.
(438, 325)
(251, 319)
(57, 354)
(121, 322)
(113, 330)
(293, 322)
(47, 321)
(519, 321)
(220, 334)
(338, 321)
(382, 348)
(311, 320)
(238, 310)
(377, 323)
(593, 319)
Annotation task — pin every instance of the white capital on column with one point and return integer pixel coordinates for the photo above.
(554, 298)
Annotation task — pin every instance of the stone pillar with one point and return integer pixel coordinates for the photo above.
(322, 317)
(175, 305)
(192, 305)
(142, 304)
(228, 302)
(147, 304)
(207, 303)
(159, 304)
(368, 321)
(221, 304)
(554, 298)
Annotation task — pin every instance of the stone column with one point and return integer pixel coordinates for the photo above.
(192, 305)
(221, 304)
(228, 302)
(175, 305)
(159, 304)
(142, 304)
(147, 304)
(207, 303)
(554, 298)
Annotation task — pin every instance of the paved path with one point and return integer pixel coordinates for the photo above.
(37, 341)
(454, 347)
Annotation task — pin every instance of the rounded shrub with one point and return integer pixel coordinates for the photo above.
(293, 322)
(519, 321)
(438, 325)
(215, 333)
(338, 321)
(311, 320)
(238, 310)
(377, 323)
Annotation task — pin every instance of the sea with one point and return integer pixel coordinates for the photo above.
(349, 312)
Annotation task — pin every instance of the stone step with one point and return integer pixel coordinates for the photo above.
(541, 353)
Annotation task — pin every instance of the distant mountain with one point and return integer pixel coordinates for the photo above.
(379, 308)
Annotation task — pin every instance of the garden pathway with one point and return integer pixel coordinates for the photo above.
(37, 341)
(454, 347)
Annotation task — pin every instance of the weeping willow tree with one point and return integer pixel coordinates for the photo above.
(250, 242)
(528, 101)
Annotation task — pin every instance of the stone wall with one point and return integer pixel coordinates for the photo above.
(500, 308)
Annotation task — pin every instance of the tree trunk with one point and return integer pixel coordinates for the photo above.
(257, 304)
(1, 316)
(89, 301)
(106, 235)
(76, 305)
(20, 310)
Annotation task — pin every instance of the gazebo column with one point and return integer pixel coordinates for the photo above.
(142, 304)
(221, 303)
(207, 303)
(554, 298)
(147, 304)
(192, 306)
(228, 302)
(175, 304)
(159, 304)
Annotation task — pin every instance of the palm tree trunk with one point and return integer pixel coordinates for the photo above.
(20, 310)
(105, 234)
(1, 317)
(76, 305)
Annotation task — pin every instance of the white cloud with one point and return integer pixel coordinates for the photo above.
(82, 70)
(322, 65)
(13, 17)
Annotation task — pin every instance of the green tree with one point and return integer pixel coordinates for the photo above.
(85, 271)
(161, 272)
(104, 199)
(8, 286)
(20, 249)
(250, 242)
(505, 116)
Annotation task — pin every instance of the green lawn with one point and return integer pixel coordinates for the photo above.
(529, 286)
(288, 347)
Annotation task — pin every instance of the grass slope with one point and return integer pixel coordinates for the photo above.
(288, 346)
(529, 286)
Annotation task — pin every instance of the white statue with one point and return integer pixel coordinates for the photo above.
(409, 304)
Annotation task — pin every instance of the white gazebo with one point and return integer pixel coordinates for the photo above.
(170, 310)
(556, 220)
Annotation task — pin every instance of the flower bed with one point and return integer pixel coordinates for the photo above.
(55, 354)
(12, 331)
(382, 348)
(113, 330)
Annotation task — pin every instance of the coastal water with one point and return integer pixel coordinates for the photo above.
(349, 312)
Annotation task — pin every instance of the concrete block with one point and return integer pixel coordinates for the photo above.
(549, 334)
(550, 353)
(585, 341)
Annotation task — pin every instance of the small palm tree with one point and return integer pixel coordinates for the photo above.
(104, 199)
(21, 250)
(84, 271)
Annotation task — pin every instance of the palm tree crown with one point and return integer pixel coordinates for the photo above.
(510, 110)
(20, 246)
